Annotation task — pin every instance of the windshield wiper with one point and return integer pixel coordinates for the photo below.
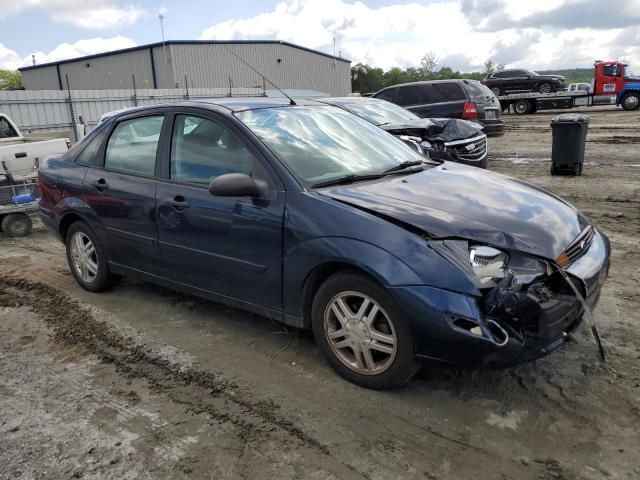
(352, 177)
(403, 165)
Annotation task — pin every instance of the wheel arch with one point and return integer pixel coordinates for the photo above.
(318, 276)
(66, 221)
(313, 261)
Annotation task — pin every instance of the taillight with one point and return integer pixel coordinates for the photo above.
(469, 111)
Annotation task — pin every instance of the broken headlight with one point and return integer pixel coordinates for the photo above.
(490, 265)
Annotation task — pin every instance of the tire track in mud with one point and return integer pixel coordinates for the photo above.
(198, 391)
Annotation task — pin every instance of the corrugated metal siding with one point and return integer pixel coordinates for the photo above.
(45, 78)
(110, 72)
(213, 66)
(205, 65)
(48, 110)
(164, 69)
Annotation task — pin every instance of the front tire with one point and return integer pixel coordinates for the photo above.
(87, 258)
(497, 91)
(545, 87)
(631, 101)
(362, 332)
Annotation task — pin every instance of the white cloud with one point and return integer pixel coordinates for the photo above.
(10, 60)
(89, 14)
(462, 32)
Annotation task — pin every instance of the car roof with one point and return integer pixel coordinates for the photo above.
(424, 82)
(232, 104)
(348, 100)
(239, 104)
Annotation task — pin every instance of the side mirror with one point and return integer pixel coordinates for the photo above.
(236, 185)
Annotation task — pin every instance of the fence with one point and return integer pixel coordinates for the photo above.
(36, 111)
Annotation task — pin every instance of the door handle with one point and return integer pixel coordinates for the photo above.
(100, 184)
(178, 202)
(21, 154)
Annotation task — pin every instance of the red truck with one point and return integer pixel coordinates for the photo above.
(611, 84)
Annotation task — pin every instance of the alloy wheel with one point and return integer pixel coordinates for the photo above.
(84, 257)
(545, 88)
(360, 333)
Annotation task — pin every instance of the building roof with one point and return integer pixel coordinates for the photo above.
(183, 42)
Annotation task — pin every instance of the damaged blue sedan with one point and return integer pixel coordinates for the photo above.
(312, 216)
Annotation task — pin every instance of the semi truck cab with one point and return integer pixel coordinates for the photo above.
(611, 78)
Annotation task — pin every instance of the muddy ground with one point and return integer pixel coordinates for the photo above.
(141, 382)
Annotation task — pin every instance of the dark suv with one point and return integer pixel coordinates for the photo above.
(523, 81)
(466, 99)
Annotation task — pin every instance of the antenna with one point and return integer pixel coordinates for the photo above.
(291, 102)
(164, 46)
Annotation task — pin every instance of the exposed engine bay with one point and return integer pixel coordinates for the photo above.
(523, 297)
(444, 138)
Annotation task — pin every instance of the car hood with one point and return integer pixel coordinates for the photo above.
(436, 129)
(457, 201)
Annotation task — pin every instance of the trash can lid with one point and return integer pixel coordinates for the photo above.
(570, 118)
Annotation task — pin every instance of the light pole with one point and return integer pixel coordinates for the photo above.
(164, 47)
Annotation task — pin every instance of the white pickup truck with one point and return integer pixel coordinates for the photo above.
(21, 156)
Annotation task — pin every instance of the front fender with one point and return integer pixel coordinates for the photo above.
(308, 255)
(629, 87)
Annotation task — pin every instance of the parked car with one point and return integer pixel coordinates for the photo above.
(579, 87)
(20, 155)
(465, 99)
(312, 216)
(506, 81)
(442, 138)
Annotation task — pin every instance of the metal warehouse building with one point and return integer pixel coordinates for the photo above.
(195, 64)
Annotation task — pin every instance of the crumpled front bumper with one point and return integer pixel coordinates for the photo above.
(435, 316)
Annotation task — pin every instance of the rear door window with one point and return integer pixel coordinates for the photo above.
(133, 145)
(409, 95)
(88, 154)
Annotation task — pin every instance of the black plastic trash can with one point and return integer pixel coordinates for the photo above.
(569, 140)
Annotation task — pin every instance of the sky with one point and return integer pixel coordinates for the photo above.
(540, 34)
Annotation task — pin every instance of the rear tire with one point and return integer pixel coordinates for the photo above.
(522, 107)
(87, 258)
(371, 346)
(631, 101)
(17, 225)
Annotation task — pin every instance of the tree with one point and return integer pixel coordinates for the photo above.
(365, 78)
(488, 67)
(10, 80)
(429, 64)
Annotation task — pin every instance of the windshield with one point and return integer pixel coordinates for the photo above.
(320, 144)
(381, 112)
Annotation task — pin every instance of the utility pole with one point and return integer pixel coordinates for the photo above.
(164, 46)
